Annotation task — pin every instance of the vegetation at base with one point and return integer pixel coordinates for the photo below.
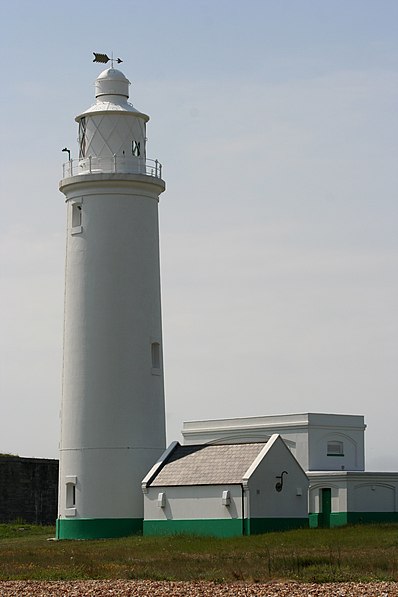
(361, 553)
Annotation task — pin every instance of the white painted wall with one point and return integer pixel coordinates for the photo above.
(348, 429)
(265, 501)
(193, 502)
(373, 497)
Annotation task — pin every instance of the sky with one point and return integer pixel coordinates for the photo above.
(277, 126)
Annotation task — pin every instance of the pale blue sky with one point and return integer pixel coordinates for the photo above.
(276, 122)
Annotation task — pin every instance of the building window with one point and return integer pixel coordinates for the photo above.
(335, 448)
(155, 355)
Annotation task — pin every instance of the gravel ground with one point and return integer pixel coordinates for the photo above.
(146, 588)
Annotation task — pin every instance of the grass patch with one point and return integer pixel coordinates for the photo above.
(361, 553)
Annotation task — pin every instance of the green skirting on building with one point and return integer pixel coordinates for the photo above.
(371, 517)
(338, 519)
(97, 528)
(328, 520)
(257, 526)
(229, 527)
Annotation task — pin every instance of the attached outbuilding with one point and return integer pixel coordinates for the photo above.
(331, 449)
(225, 490)
(338, 498)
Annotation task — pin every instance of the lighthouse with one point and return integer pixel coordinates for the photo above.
(112, 410)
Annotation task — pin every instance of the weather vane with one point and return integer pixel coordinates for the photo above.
(104, 58)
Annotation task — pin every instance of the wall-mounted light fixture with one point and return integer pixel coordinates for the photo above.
(68, 151)
(161, 500)
(226, 498)
(279, 484)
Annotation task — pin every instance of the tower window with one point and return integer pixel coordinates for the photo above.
(335, 449)
(70, 495)
(76, 218)
(155, 355)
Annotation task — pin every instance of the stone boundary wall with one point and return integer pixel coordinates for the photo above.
(28, 489)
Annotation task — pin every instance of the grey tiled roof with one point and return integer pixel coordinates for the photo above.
(207, 464)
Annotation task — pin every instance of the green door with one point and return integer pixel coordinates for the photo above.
(326, 508)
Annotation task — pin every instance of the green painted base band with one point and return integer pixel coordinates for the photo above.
(222, 527)
(371, 517)
(257, 526)
(328, 521)
(338, 519)
(97, 528)
(230, 527)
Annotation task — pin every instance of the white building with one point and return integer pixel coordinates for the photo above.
(331, 449)
(112, 413)
(225, 490)
(318, 441)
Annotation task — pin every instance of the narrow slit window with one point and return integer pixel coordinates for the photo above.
(70, 495)
(155, 353)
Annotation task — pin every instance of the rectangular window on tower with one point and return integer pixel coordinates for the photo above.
(76, 218)
(70, 497)
(155, 354)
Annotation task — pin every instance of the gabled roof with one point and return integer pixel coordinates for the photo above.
(206, 464)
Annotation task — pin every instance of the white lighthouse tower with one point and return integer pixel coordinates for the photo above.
(112, 414)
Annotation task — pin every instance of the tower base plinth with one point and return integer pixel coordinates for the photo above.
(97, 528)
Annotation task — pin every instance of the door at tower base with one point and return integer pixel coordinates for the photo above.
(98, 528)
(225, 490)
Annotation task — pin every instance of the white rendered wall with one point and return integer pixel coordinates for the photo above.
(265, 501)
(113, 426)
(193, 503)
(373, 492)
(347, 429)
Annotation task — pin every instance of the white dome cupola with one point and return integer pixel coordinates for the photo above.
(112, 82)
